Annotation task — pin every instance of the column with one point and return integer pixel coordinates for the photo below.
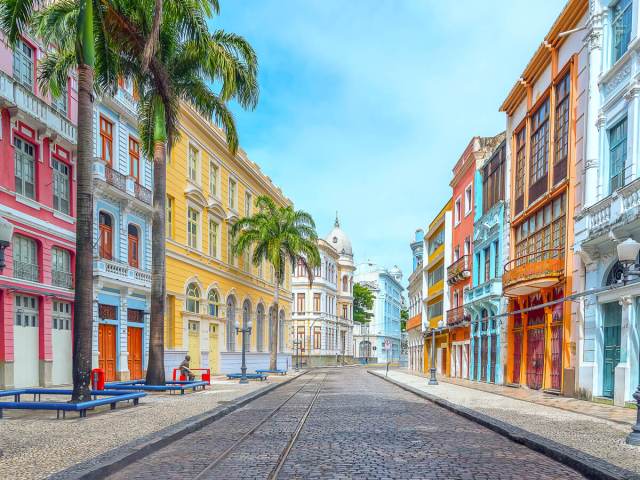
(6, 339)
(122, 347)
(623, 385)
(45, 356)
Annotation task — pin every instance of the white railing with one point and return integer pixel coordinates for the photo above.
(600, 215)
(123, 271)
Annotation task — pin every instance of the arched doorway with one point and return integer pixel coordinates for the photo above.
(246, 320)
(281, 336)
(611, 314)
(231, 324)
(260, 328)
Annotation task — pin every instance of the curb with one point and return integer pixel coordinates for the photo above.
(114, 460)
(588, 465)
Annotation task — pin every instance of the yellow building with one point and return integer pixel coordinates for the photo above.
(208, 289)
(435, 295)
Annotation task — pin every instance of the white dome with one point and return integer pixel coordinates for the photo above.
(339, 240)
(396, 273)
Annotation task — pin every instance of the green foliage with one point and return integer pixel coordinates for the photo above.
(278, 235)
(404, 316)
(362, 303)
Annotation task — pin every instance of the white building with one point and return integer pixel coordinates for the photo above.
(415, 343)
(322, 317)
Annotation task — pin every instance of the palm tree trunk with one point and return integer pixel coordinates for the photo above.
(155, 368)
(83, 301)
(273, 353)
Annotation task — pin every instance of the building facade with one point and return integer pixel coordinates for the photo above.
(380, 337)
(608, 345)
(123, 181)
(415, 343)
(483, 300)
(545, 115)
(322, 316)
(208, 288)
(37, 195)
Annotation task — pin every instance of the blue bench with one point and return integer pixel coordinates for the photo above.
(250, 376)
(276, 372)
(170, 386)
(111, 397)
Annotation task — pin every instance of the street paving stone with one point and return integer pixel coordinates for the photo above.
(359, 428)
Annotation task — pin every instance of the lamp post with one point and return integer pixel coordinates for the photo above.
(296, 349)
(6, 232)
(432, 371)
(627, 255)
(245, 330)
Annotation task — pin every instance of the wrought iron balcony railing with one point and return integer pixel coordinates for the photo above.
(143, 194)
(115, 178)
(459, 270)
(535, 270)
(62, 279)
(457, 316)
(26, 271)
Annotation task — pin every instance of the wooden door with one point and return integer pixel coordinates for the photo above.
(483, 362)
(476, 358)
(492, 362)
(517, 357)
(134, 343)
(133, 251)
(106, 241)
(194, 344)
(612, 313)
(535, 357)
(214, 349)
(556, 356)
(107, 350)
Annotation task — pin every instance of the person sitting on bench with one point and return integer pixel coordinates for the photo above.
(184, 369)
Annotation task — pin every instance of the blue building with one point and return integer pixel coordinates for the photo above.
(483, 299)
(122, 239)
(372, 339)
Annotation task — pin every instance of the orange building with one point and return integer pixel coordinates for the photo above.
(544, 138)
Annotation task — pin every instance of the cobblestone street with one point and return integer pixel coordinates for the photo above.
(350, 425)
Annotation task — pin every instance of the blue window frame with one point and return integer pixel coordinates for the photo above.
(621, 27)
(617, 155)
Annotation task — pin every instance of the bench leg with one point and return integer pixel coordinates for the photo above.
(34, 397)
(64, 414)
(113, 406)
(57, 414)
(135, 401)
(0, 413)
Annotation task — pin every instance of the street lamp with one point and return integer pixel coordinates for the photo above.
(245, 330)
(6, 232)
(627, 254)
(296, 348)
(432, 379)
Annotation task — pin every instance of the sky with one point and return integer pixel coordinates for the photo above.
(366, 105)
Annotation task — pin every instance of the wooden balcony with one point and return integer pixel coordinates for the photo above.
(457, 316)
(529, 273)
(414, 322)
(459, 270)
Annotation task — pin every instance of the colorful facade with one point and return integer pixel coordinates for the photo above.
(208, 288)
(37, 195)
(415, 344)
(545, 115)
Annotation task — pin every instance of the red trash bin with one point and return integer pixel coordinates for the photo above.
(97, 379)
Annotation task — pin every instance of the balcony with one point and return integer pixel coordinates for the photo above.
(125, 186)
(414, 322)
(26, 271)
(62, 279)
(484, 291)
(529, 273)
(13, 94)
(122, 272)
(457, 316)
(459, 270)
(115, 178)
(143, 194)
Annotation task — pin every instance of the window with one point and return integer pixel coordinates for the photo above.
(231, 258)
(232, 194)
(621, 27)
(493, 179)
(561, 137)
(60, 186)
(317, 338)
(214, 172)
(457, 212)
(60, 102)
(456, 253)
(434, 310)
(617, 155)
(345, 311)
(134, 159)
(134, 245)
(301, 270)
(521, 143)
(316, 302)
(194, 163)
(193, 224)
(301, 339)
(539, 152)
(106, 140)
(25, 259)
(193, 298)
(214, 300)
(436, 241)
(300, 303)
(468, 204)
(25, 166)
(106, 236)
(247, 204)
(26, 311)
(345, 284)
(497, 264)
(169, 217)
(61, 268)
(61, 315)
(23, 63)
(467, 246)
(436, 275)
(213, 238)
(487, 264)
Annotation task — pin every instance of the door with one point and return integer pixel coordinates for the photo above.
(483, 362)
(612, 322)
(25, 334)
(535, 358)
(214, 350)
(61, 371)
(107, 350)
(556, 357)
(492, 362)
(194, 344)
(476, 357)
(134, 343)
(517, 357)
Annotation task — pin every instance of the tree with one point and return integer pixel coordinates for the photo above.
(404, 316)
(362, 303)
(278, 235)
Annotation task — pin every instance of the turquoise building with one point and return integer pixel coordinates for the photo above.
(483, 300)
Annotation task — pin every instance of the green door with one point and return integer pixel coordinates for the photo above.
(611, 330)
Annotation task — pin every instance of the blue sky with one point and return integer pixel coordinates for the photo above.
(366, 105)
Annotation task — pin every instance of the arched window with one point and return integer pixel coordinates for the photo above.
(246, 318)
(271, 324)
(134, 246)
(213, 299)
(615, 274)
(345, 283)
(260, 328)
(281, 335)
(231, 324)
(105, 241)
(193, 298)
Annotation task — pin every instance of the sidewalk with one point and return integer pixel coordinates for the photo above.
(35, 445)
(581, 425)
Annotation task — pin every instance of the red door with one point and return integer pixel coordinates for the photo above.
(106, 241)
(133, 251)
(107, 350)
(535, 357)
(556, 356)
(134, 342)
(517, 357)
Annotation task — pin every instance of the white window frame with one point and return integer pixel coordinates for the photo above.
(198, 239)
(215, 191)
(216, 253)
(457, 211)
(468, 205)
(232, 200)
(198, 169)
(248, 199)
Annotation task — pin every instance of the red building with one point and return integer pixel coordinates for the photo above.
(37, 195)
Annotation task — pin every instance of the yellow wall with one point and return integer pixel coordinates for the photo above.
(186, 264)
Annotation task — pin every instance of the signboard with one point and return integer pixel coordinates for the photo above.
(387, 345)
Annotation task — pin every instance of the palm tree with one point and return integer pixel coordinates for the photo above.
(278, 235)
(188, 61)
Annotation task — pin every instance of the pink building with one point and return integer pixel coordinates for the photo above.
(37, 195)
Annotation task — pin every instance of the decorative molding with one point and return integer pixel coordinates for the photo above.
(623, 74)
